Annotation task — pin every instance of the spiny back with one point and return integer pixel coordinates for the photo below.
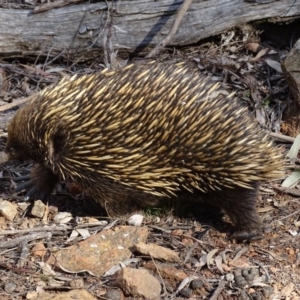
(155, 127)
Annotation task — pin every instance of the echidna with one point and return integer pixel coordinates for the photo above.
(146, 132)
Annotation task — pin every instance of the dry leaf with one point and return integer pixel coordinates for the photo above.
(260, 54)
(210, 257)
(223, 254)
(274, 65)
(185, 282)
(83, 232)
(47, 270)
(218, 261)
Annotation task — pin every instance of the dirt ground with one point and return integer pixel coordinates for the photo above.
(242, 60)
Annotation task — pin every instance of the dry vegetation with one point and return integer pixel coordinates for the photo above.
(244, 60)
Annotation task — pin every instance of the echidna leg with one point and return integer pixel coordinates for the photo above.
(240, 205)
(118, 200)
(121, 205)
(39, 184)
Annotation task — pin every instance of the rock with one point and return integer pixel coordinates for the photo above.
(115, 294)
(138, 283)
(99, 253)
(9, 287)
(31, 295)
(186, 292)
(71, 295)
(39, 250)
(157, 252)
(38, 209)
(267, 291)
(8, 210)
(77, 283)
(166, 271)
(196, 284)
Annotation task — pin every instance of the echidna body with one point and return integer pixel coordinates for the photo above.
(143, 133)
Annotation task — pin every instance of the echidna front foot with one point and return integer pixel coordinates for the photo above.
(39, 184)
(247, 227)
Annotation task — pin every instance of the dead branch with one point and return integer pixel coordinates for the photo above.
(181, 12)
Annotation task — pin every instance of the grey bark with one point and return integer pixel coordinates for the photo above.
(132, 25)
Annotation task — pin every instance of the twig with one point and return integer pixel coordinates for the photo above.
(192, 238)
(240, 253)
(266, 271)
(285, 217)
(27, 238)
(24, 255)
(161, 279)
(292, 192)
(55, 4)
(218, 290)
(274, 255)
(53, 227)
(62, 52)
(282, 137)
(15, 103)
(189, 252)
(181, 12)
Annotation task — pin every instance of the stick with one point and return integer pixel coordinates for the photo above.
(282, 137)
(15, 103)
(218, 291)
(181, 12)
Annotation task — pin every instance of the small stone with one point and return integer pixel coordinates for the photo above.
(31, 295)
(243, 295)
(8, 210)
(39, 250)
(287, 290)
(38, 209)
(138, 283)
(186, 292)
(115, 294)
(196, 284)
(267, 291)
(229, 277)
(256, 296)
(240, 281)
(77, 283)
(166, 270)
(135, 220)
(157, 252)
(10, 287)
(249, 274)
(79, 294)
